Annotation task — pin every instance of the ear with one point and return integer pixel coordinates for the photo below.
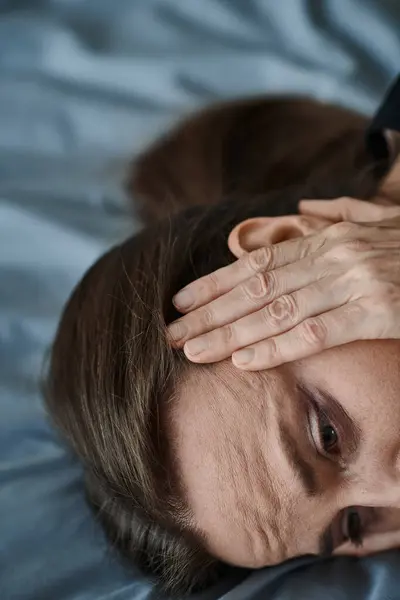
(262, 231)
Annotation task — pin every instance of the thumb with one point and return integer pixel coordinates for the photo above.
(344, 209)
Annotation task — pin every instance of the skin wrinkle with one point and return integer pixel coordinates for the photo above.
(233, 448)
(267, 528)
(269, 524)
(241, 460)
(261, 536)
(262, 532)
(248, 464)
(253, 510)
(220, 450)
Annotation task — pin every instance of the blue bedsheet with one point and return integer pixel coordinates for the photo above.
(83, 86)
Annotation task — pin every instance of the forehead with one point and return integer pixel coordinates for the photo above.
(359, 373)
(225, 432)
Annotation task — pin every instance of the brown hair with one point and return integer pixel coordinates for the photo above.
(112, 373)
(248, 147)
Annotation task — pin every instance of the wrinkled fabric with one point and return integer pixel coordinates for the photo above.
(84, 85)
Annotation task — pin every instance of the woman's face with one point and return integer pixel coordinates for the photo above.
(272, 461)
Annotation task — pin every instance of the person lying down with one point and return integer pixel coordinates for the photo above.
(191, 467)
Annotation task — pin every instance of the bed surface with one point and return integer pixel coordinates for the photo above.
(83, 86)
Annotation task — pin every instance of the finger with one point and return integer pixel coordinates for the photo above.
(315, 334)
(214, 285)
(279, 316)
(378, 542)
(246, 298)
(261, 289)
(345, 209)
(222, 280)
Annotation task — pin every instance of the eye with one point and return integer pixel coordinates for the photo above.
(350, 525)
(329, 438)
(324, 434)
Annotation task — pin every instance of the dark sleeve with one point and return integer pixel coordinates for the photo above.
(387, 117)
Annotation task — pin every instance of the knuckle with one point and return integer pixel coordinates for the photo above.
(284, 309)
(271, 352)
(260, 259)
(271, 286)
(312, 244)
(314, 333)
(226, 335)
(212, 284)
(207, 318)
(255, 287)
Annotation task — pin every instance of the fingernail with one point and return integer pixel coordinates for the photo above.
(197, 345)
(177, 331)
(183, 299)
(243, 357)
